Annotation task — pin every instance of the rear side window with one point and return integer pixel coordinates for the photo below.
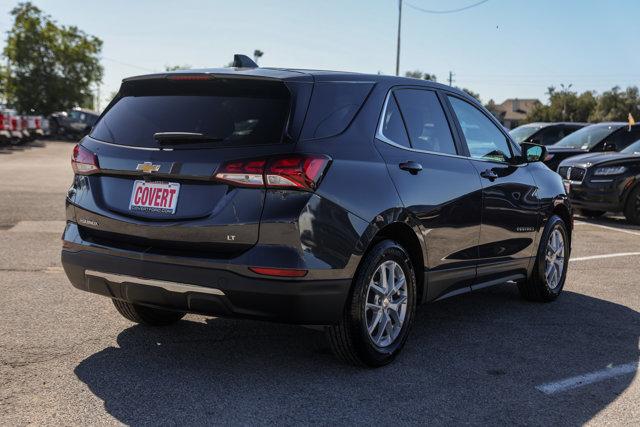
(550, 135)
(333, 107)
(426, 123)
(392, 127)
(234, 114)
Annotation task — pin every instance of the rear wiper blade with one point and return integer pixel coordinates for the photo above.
(173, 137)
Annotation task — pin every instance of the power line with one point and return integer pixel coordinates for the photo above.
(442, 12)
(420, 9)
(129, 65)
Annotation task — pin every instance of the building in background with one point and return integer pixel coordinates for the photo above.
(513, 111)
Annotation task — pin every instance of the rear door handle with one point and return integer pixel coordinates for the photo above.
(412, 167)
(489, 174)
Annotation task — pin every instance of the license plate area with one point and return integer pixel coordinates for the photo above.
(154, 196)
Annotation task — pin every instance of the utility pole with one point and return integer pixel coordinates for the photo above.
(399, 28)
(451, 78)
(565, 90)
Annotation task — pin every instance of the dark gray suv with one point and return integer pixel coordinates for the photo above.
(319, 198)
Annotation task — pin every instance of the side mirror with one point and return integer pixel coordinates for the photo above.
(609, 146)
(533, 152)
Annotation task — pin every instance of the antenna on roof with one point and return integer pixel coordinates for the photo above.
(243, 61)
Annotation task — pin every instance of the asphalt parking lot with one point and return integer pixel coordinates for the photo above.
(67, 357)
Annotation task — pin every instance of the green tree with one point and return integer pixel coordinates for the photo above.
(257, 54)
(564, 106)
(616, 105)
(177, 67)
(3, 94)
(51, 67)
(417, 74)
(476, 95)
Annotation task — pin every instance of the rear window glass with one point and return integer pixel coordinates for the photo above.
(233, 115)
(425, 121)
(333, 107)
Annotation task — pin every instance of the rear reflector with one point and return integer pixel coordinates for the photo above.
(279, 272)
(83, 161)
(296, 171)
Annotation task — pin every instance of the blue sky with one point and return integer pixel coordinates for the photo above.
(501, 49)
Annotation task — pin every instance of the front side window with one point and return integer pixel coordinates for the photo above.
(484, 139)
(633, 148)
(425, 121)
(625, 136)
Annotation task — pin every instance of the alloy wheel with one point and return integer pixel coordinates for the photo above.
(386, 303)
(554, 259)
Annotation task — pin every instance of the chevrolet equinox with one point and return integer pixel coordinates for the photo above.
(329, 199)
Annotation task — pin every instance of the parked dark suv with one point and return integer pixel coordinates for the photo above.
(596, 138)
(605, 182)
(544, 133)
(312, 197)
(72, 124)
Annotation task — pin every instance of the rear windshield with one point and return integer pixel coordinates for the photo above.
(227, 113)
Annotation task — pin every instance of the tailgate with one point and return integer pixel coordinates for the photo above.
(130, 200)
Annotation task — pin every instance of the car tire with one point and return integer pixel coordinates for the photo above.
(147, 315)
(632, 209)
(370, 336)
(591, 214)
(546, 281)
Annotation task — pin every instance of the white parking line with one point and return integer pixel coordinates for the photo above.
(622, 230)
(585, 258)
(586, 379)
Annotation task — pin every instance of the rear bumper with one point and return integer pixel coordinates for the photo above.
(216, 292)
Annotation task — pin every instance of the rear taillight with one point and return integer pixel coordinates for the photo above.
(14, 123)
(296, 171)
(2, 124)
(247, 173)
(38, 123)
(83, 161)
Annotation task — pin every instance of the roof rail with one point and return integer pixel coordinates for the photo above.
(243, 61)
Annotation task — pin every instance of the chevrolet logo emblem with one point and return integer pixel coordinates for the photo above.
(147, 167)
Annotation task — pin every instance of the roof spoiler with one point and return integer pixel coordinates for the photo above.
(243, 61)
